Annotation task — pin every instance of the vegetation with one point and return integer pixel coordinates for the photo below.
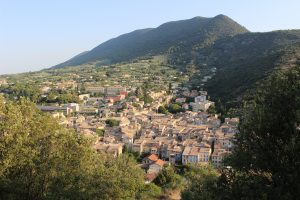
(265, 162)
(112, 122)
(150, 192)
(175, 108)
(249, 58)
(169, 179)
(212, 110)
(268, 145)
(198, 32)
(100, 132)
(41, 160)
(202, 182)
(162, 109)
(234, 58)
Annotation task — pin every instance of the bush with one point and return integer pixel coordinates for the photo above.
(112, 122)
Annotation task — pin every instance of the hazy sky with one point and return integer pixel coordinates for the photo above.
(35, 34)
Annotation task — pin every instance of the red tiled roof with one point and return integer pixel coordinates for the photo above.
(160, 162)
(124, 93)
(153, 157)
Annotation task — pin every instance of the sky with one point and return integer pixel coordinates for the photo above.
(37, 34)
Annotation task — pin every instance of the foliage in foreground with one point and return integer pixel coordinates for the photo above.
(41, 160)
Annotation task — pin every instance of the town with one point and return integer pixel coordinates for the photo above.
(165, 124)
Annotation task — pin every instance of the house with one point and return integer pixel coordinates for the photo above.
(204, 154)
(190, 155)
(201, 106)
(195, 154)
(83, 97)
(114, 90)
(185, 106)
(74, 107)
(150, 159)
(138, 145)
(88, 110)
(156, 167)
(54, 109)
(201, 98)
(180, 100)
(218, 156)
(226, 142)
(95, 89)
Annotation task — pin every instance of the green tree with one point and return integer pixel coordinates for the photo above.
(269, 138)
(162, 109)
(40, 159)
(150, 192)
(175, 108)
(100, 132)
(112, 122)
(169, 179)
(211, 110)
(201, 182)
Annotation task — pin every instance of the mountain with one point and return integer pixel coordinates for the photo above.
(198, 31)
(242, 58)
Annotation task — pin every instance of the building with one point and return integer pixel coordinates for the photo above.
(95, 89)
(74, 107)
(190, 155)
(180, 100)
(54, 109)
(88, 110)
(201, 106)
(150, 159)
(115, 90)
(195, 154)
(204, 154)
(83, 97)
(156, 166)
(201, 98)
(218, 156)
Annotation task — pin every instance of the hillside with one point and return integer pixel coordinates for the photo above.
(198, 31)
(246, 59)
(241, 58)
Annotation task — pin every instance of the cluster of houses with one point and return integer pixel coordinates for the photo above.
(189, 137)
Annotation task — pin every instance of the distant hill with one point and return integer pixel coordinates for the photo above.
(242, 58)
(197, 31)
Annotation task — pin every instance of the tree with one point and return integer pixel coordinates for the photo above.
(211, 110)
(100, 132)
(139, 92)
(269, 139)
(42, 160)
(168, 179)
(234, 184)
(162, 109)
(149, 192)
(112, 122)
(147, 98)
(170, 88)
(175, 108)
(201, 182)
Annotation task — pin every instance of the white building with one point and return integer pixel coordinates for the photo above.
(201, 106)
(200, 98)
